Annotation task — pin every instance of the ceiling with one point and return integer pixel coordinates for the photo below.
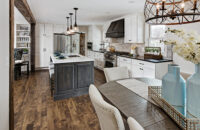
(90, 11)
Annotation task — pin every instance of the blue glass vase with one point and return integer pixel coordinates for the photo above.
(193, 93)
(174, 88)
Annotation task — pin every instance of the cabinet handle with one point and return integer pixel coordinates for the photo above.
(141, 69)
(129, 40)
(141, 63)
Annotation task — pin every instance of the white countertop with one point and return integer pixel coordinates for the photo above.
(55, 60)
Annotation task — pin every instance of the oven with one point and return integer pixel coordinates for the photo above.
(110, 60)
(89, 45)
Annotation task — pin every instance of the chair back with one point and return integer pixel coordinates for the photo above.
(108, 115)
(18, 54)
(133, 124)
(116, 73)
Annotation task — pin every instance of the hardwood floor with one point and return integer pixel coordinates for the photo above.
(34, 108)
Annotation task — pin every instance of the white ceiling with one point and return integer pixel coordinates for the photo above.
(90, 11)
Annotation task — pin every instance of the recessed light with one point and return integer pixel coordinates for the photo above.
(131, 2)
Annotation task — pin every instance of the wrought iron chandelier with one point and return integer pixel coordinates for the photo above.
(172, 12)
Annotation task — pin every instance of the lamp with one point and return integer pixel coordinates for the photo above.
(172, 12)
(68, 30)
(71, 27)
(76, 29)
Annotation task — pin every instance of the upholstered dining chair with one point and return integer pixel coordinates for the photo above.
(116, 73)
(108, 115)
(133, 124)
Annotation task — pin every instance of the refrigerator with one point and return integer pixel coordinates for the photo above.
(68, 44)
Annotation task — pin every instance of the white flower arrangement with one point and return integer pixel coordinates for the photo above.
(186, 45)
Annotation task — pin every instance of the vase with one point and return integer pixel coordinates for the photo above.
(174, 88)
(193, 93)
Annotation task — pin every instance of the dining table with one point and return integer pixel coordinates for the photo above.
(130, 97)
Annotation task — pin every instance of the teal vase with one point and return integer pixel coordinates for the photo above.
(193, 93)
(174, 88)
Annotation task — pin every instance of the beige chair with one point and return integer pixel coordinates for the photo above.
(133, 124)
(108, 115)
(116, 73)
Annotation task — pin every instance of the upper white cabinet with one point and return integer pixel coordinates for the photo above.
(57, 28)
(134, 29)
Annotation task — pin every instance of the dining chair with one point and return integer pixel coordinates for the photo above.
(116, 73)
(133, 124)
(108, 115)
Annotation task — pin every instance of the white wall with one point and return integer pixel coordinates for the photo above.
(186, 66)
(4, 64)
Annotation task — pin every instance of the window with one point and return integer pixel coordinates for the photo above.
(157, 33)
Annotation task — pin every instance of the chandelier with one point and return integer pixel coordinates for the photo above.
(172, 12)
(70, 28)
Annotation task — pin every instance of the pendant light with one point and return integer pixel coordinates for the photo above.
(76, 29)
(68, 30)
(172, 12)
(71, 26)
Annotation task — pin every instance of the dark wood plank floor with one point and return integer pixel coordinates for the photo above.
(35, 110)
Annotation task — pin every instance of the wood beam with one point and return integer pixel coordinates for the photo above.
(11, 64)
(33, 47)
(25, 10)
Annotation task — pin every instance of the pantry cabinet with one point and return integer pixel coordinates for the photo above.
(134, 29)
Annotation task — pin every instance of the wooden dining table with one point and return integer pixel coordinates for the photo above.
(132, 104)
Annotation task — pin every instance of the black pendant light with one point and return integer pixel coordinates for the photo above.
(172, 12)
(76, 29)
(71, 26)
(68, 29)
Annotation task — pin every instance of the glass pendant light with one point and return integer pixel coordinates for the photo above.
(76, 29)
(68, 30)
(71, 26)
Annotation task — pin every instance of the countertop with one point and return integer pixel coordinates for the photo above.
(138, 57)
(67, 59)
(147, 60)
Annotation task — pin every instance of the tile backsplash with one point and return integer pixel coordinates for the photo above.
(119, 45)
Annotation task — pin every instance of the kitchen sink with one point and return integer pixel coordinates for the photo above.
(73, 56)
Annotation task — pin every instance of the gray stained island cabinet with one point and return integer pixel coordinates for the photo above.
(72, 76)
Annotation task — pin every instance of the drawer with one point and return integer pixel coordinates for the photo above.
(143, 64)
(126, 60)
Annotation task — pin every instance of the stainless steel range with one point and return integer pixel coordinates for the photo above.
(111, 58)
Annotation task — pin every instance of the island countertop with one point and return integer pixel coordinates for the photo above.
(67, 59)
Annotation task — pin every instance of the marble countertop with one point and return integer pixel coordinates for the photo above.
(68, 59)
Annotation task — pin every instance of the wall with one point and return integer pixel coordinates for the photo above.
(4, 64)
(186, 66)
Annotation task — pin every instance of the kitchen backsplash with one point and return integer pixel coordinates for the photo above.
(119, 45)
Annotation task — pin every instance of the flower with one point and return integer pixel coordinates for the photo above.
(186, 45)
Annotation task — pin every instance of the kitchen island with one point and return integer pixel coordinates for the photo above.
(72, 76)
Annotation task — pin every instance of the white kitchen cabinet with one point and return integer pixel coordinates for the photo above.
(44, 43)
(125, 62)
(147, 69)
(134, 29)
(57, 28)
(98, 58)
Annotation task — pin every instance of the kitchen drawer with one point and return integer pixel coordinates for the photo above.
(125, 60)
(143, 64)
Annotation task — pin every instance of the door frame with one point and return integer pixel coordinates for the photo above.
(24, 8)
